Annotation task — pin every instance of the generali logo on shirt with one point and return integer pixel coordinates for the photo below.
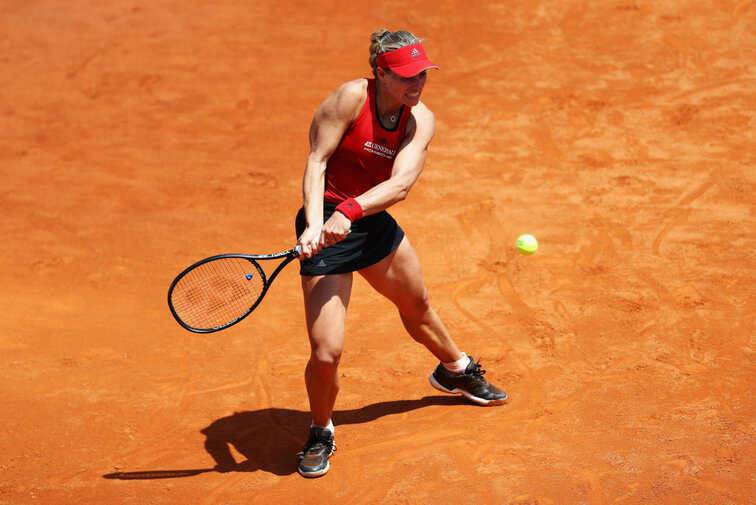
(380, 150)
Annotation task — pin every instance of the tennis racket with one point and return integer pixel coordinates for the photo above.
(220, 291)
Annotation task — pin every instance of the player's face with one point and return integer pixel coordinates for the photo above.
(406, 90)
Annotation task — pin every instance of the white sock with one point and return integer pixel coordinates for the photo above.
(329, 427)
(458, 366)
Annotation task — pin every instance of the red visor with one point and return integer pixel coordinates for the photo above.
(406, 61)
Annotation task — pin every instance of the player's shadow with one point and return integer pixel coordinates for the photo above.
(269, 439)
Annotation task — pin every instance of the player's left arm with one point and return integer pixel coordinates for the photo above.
(408, 164)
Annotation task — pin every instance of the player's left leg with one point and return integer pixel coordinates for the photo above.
(398, 277)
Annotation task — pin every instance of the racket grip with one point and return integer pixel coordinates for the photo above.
(298, 250)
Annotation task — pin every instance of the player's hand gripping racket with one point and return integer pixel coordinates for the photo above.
(220, 291)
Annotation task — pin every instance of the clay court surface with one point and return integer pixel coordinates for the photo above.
(139, 137)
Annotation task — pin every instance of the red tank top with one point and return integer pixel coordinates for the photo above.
(365, 155)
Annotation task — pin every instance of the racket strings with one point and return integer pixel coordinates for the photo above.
(217, 292)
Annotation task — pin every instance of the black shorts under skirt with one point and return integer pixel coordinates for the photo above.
(372, 239)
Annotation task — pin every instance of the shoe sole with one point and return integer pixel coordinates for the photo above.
(319, 473)
(466, 394)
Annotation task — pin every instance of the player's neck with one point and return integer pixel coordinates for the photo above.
(388, 109)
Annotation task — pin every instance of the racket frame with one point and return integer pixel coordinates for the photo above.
(288, 256)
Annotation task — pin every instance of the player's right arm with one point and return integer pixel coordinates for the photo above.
(331, 120)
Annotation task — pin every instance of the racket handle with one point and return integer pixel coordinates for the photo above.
(298, 250)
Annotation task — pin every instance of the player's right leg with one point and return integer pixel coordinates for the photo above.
(326, 299)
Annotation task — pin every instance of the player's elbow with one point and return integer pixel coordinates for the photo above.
(317, 160)
(401, 195)
(402, 189)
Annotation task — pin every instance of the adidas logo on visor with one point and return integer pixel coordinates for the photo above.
(415, 53)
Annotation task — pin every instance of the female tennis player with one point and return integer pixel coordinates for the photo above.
(368, 142)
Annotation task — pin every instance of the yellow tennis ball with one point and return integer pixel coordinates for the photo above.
(527, 244)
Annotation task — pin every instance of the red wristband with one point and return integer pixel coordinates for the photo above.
(350, 208)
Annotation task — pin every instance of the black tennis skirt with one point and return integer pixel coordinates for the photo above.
(372, 239)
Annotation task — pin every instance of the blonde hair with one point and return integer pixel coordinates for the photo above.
(383, 41)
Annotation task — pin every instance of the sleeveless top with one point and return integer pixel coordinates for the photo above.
(365, 156)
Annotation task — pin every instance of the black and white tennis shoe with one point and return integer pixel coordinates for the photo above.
(469, 383)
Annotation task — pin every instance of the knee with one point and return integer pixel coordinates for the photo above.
(324, 361)
(416, 307)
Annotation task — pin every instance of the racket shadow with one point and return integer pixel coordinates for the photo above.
(269, 439)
